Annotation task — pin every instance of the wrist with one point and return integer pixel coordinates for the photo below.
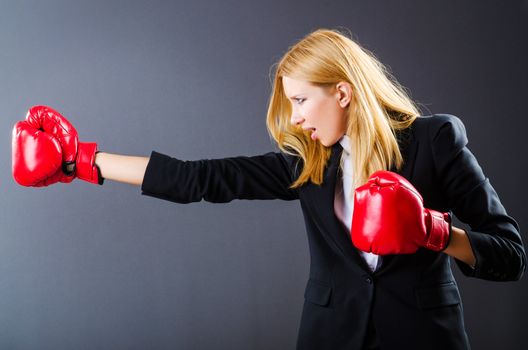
(460, 247)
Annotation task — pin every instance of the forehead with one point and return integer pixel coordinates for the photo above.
(293, 86)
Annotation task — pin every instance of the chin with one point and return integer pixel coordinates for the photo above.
(327, 143)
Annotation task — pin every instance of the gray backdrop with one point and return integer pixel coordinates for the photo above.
(102, 267)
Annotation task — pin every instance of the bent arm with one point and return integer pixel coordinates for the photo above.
(494, 236)
(120, 168)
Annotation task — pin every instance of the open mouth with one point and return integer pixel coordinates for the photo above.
(312, 131)
(314, 135)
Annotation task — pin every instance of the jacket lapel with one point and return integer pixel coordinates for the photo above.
(321, 198)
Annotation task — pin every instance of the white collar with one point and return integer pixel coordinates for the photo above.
(346, 144)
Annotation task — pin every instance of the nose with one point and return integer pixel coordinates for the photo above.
(296, 119)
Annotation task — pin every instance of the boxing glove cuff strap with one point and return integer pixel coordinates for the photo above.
(439, 228)
(85, 165)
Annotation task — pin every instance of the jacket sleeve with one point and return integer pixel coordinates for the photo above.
(494, 235)
(265, 176)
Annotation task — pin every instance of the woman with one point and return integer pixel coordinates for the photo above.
(354, 150)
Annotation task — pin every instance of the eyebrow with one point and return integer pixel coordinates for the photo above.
(296, 95)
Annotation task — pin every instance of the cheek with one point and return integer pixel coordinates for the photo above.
(332, 114)
(320, 113)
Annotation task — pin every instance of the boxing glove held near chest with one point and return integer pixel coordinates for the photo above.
(389, 218)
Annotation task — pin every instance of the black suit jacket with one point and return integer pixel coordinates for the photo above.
(412, 300)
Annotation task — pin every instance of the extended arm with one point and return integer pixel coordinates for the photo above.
(46, 150)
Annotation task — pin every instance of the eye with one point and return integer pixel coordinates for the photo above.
(300, 100)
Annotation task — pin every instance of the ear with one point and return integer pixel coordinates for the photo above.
(343, 93)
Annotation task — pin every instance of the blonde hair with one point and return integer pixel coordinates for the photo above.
(379, 105)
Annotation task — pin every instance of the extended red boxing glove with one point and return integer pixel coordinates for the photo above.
(46, 150)
(389, 218)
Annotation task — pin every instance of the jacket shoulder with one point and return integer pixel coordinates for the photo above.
(446, 129)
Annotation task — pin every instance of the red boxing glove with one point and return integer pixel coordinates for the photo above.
(389, 218)
(37, 157)
(46, 150)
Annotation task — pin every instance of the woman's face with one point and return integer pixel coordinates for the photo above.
(319, 110)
